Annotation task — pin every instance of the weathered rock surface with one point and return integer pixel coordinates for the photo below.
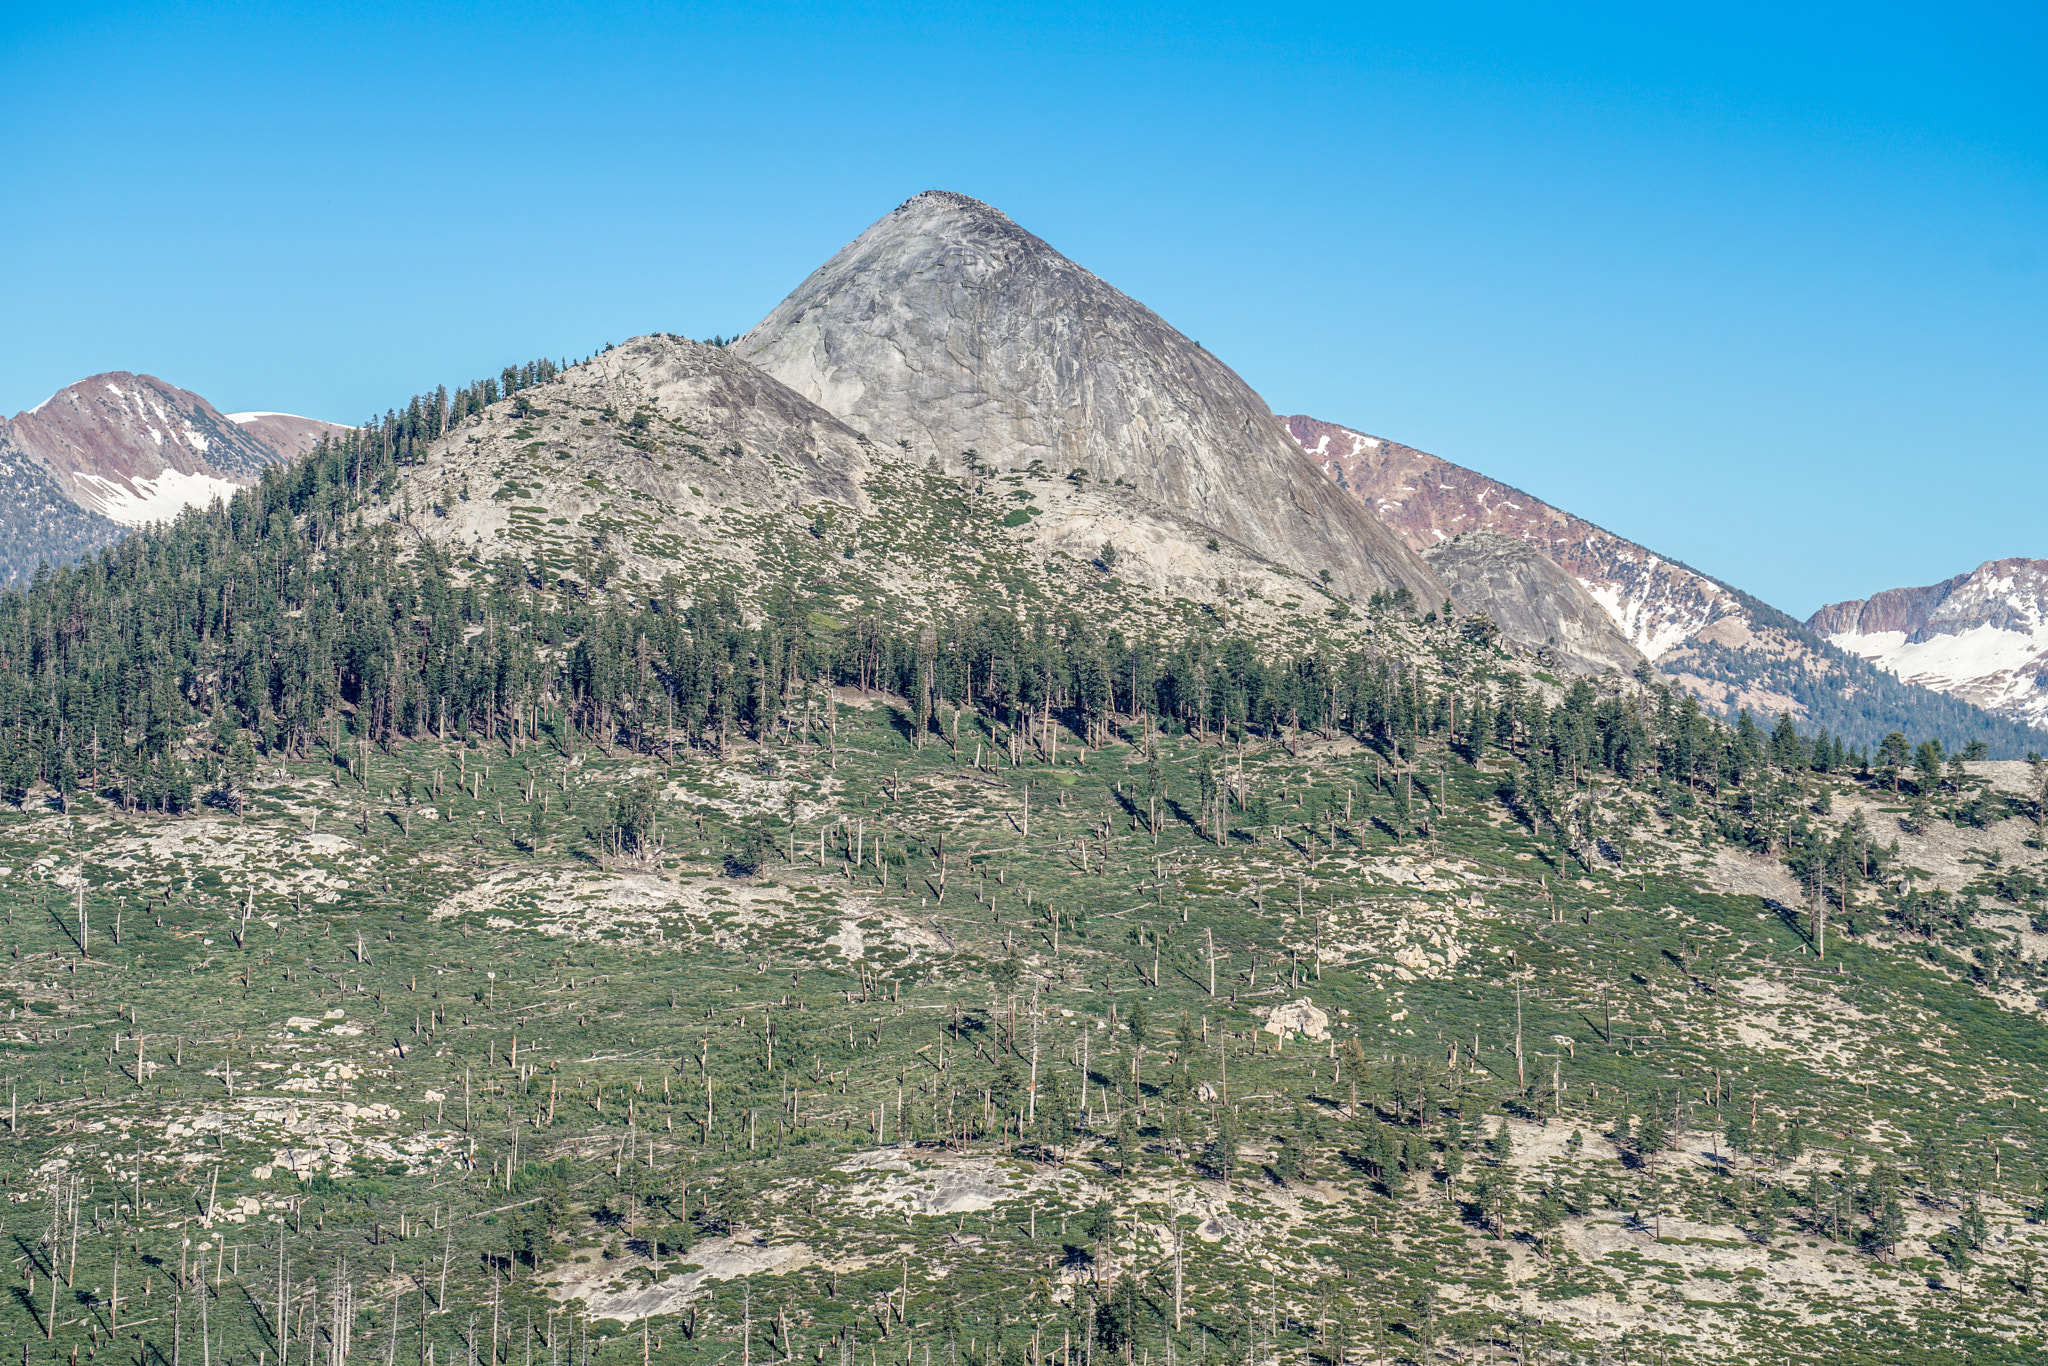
(778, 438)
(947, 326)
(1535, 603)
(677, 457)
(683, 432)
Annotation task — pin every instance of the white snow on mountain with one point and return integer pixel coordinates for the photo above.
(1653, 624)
(152, 500)
(1997, 669)
(1982, 636)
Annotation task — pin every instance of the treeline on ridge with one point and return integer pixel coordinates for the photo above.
(286, 620)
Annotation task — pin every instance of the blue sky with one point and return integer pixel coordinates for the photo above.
(1761, 289)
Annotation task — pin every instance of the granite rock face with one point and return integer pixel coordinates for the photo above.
(947, 326)
(774, 443)
(647, 445)
(681, 469)
(1534, 602)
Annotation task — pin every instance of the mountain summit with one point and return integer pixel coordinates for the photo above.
(1982, 636)
(118, 450)
(135, 449)
(947, 326)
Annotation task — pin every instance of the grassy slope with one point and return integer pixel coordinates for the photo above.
(347, 1140)
(1700, 980)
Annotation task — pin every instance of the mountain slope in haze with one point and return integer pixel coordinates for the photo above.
(948, 327)
(39, 524)
(1534, 602)
(1980, 636)
(1720, 643)
(119, 450)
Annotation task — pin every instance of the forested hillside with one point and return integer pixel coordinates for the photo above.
(454, 921)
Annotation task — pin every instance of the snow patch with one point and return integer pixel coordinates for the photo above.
(1991, 666)
(152, 500)
(1635, 618)
(115, 391)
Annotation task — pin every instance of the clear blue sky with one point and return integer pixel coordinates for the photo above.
(1760, 287)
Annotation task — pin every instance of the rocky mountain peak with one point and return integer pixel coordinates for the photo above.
(118, 450)
(1982, 636)
(949, 331)
(134, 448)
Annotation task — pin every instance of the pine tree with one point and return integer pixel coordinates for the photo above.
(1891, 759)
(1223, 1149)
(1651, 1136)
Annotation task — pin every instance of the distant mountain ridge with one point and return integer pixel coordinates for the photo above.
(1980, 636)
(119, 450)
(1655, 601)
(286, 433)
(1722, 644)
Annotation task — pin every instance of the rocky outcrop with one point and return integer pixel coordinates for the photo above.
(677, 455)
(1534, 602)
(766, 436)
(1981, 636)
(950, 331)
(651, 443)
